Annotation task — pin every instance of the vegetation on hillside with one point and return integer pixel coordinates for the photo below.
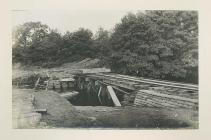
(157, 44)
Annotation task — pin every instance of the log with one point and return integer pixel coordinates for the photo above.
(41, 110)
(113, 96)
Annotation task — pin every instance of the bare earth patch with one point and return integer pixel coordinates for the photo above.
(62, 114)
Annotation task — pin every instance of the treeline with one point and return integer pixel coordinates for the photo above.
(157, 44)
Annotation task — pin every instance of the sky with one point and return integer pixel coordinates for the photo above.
(71, 20)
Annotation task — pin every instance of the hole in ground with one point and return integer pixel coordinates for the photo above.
(91, 99)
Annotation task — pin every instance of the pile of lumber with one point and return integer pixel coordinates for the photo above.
(155, 99)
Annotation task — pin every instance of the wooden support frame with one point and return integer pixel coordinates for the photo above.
(98, 95)
(113, 96)
(115, 87)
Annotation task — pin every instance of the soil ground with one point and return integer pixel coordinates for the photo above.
(62, 114)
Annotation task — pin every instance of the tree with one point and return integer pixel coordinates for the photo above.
(78, 45)
(26, 40)
(51, 47)
(159, 44)
(102, 42)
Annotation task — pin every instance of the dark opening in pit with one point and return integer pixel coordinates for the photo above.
(91, 99)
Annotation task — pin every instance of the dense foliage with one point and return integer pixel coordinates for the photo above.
(158, 44)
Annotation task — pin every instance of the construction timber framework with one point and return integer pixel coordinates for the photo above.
(120, 90)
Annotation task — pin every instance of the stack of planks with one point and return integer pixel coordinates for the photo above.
(155, 99)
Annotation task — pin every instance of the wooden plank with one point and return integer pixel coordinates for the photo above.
(113, 96)
(173, 101)
(37, 82)
(170, 102)
(155, 82)
(67, 80)
(165, 101)
(159, 101)
(119, 83)
(160, 81)
(142, 104)
(169, 96)
(115, 87)
(150, 103)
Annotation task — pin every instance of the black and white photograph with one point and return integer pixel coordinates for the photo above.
(105, 69)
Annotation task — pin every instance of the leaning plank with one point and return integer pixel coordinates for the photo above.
(169, 96)
(37, 82)
(113, 96)
(99, 94)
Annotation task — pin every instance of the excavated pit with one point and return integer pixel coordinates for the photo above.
(91, 99)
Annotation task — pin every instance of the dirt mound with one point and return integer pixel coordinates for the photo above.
(141, 118)
(60, 113)
(66, 70)
(86, 63)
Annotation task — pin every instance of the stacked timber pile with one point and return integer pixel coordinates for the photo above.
(154, 98)
(129, 99)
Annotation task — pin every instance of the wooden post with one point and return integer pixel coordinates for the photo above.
(37, 82)
(54, 86)
(47, 82)
(113, 96)
(61, 87)
(99, 95)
